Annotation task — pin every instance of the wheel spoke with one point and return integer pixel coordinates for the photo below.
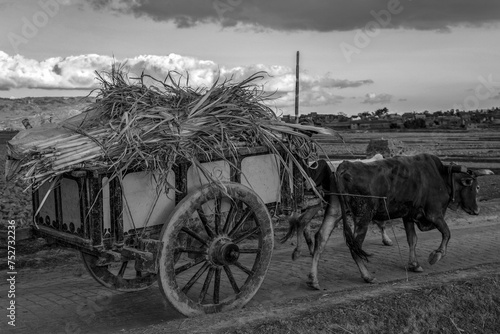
(206, 284)
(231, 279)
(196, 276)
(246, 235)
(189, 265)
(204, 221)
(218, 213)
(217, 285)
(191, 250)
(230, 217)
(245, 216)
(116, 276)
(194, 235)
(242, 267)
(122, 269)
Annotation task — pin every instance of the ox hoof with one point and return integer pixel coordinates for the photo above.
(313, 285)
(371, 280)
(435, 257)
(415, 267)
(387, 242)
(312, 282)
(295, 254)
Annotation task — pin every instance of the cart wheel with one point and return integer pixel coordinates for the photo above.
(217, 247)
(120, 276)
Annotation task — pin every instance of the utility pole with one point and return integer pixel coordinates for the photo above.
(297, 89)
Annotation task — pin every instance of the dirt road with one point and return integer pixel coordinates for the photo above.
(65, 299)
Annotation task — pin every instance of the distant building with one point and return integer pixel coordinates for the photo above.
(371, 124)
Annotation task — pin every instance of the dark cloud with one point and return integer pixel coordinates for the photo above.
(56, 69)
(317, 15)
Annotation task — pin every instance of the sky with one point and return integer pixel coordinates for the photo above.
(355, 55)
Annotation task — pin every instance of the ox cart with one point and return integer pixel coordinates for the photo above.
(209, 245)
(161, 182)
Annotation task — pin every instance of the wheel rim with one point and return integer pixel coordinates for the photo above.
(217, 248)
(119, 276)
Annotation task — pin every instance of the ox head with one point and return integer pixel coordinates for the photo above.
(465, 187)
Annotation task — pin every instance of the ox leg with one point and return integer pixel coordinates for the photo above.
(411, 237)
(304, 229)
(360, 229)
(436, 255)
(385, 238)
(327, 226)
(309, 239)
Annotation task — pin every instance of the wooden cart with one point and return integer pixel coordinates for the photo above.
(208, 248)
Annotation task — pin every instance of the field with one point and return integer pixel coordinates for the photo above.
(473, 148)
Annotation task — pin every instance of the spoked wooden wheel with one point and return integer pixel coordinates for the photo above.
(217, 246)
(120, 276)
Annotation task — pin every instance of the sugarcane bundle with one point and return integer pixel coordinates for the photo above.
(136, 126)
(45, 158)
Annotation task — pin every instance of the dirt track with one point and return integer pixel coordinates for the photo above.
(64, 299)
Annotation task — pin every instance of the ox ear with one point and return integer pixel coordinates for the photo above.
(482, 172)
(458, 169)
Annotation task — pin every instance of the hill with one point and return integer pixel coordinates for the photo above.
(39, 110)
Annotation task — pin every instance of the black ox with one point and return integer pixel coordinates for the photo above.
(320, 173)
(417, 189)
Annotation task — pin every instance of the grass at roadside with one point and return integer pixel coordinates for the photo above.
(460, 306)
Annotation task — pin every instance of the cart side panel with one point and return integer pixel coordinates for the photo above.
(262, 174)
(70, 206)
(48, 210)
(61, 209)
(140, 201)
(220, 170)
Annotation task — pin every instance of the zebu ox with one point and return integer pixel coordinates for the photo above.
(320, 173)
(417, 188)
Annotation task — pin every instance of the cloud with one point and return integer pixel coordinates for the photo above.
(317, 15)
(373, 98)
(78, 72)
(52, 73)
(310, 98)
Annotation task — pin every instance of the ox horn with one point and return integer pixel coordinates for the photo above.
(458, 169)
(482, 172)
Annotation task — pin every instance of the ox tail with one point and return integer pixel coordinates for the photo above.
(294, 225)
(297, 223)
(351, 242)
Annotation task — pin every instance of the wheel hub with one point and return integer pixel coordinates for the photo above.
(224, 251)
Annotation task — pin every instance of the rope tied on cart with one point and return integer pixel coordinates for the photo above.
(356, 195)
